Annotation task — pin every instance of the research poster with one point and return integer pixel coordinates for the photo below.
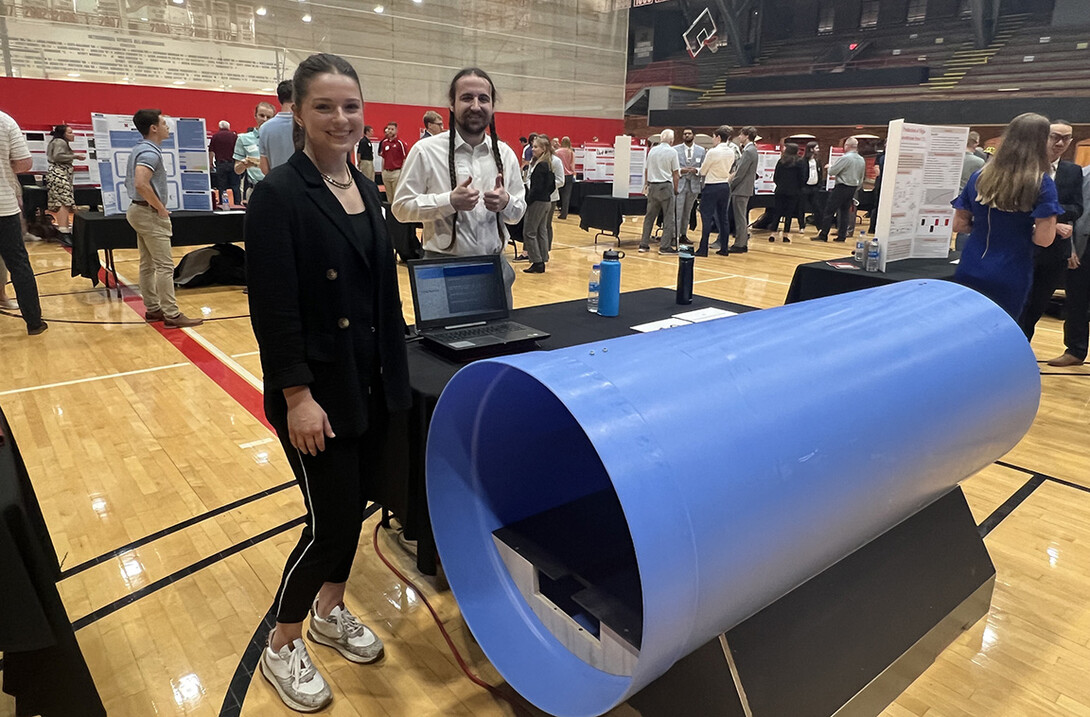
(629, 159)
(185, 158)
(920, 178)
(768, 156)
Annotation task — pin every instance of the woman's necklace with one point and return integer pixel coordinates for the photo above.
(335, 183)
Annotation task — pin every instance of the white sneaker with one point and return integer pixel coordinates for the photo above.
(295, 677)
(345, 634)
(10, 304)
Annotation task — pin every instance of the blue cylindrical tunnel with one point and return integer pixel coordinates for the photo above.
(746, 455)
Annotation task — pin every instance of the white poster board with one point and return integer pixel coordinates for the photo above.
(185, 159)
(835, 153)
(768, 156)
(919, 180)
(629, 159)
(598, 162)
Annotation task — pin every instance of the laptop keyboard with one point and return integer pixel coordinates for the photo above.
(475, 331)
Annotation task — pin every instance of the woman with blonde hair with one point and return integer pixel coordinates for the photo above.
(1006, 208)
(539, 206)
(567, 158)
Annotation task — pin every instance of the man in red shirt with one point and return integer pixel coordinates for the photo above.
(221, 153)
(393, 151)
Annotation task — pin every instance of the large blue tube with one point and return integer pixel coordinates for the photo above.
(748, 454)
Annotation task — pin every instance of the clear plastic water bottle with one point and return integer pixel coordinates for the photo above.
(592, 288)
(861, 249)
(872, 255)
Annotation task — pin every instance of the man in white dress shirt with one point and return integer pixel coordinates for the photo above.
(661, 175)
(464, 184)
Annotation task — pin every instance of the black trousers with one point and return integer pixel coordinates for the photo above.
(840, 204)
(1077, 308)
(13, 252)
(714, 213)
(225, 178)
(786, 208)
(1049, 265)
(334, 486)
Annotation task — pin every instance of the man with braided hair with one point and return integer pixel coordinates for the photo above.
(464, 184)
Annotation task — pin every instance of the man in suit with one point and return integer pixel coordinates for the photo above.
(1077, 288)
(1050, 262)
(690, 156)
(741, 189)
(848, 171)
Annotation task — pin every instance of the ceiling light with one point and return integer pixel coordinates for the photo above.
(73, 74)
(261, 11)
(1008, 89)
(418, 2)
(179, 2)
(380, 9)
(179, 82)
(307, 18)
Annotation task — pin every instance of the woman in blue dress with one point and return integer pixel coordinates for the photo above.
(1006, 208)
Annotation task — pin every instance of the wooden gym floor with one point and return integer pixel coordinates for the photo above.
(172, 508)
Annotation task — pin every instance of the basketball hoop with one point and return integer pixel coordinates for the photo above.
(712, 43)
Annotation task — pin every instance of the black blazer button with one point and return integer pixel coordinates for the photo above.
(331, 274)
(343, 323)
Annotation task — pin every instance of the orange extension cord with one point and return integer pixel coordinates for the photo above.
(495, 691)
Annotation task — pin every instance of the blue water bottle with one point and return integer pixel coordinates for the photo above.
(609, 288)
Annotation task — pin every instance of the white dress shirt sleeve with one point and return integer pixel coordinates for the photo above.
(419, 197)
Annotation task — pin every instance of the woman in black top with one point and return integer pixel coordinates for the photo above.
(539, 208)
(326, 312)
(789, 179)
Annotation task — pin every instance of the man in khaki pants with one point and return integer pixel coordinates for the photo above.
(146, 183)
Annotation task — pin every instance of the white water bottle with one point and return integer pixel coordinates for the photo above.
(861, 249)
(592, 288)
(873, 255)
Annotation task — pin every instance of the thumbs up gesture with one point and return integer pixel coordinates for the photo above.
(463, 197)
(496, 199)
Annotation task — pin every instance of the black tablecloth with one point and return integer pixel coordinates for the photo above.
(812, 281)
(569, 324)
(581, 190)
(43, 666)
(607, 213)
(92, 231)
(37, 198)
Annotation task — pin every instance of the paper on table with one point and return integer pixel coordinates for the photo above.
(661, 324)
(698, 315)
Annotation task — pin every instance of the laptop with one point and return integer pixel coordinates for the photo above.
(461, 308)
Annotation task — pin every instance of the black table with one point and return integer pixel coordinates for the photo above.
(817, 279)
(581, 190)
(43, 666)
(92, 231)
(36, 198)
(569, 324)
(605, 213)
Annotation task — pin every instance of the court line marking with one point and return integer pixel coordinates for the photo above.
(226, 360)
(245, 353)
(93, 378)
(252, 444)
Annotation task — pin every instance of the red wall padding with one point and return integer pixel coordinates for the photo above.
(39, 104)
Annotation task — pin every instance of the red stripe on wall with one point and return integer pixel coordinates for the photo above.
(40, 104)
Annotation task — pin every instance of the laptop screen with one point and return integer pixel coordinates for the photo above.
(457, 290)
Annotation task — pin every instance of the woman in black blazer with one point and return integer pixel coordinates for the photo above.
(789, 180)
(808, 201)
(326, 312)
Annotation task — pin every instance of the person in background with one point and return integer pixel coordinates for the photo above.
(146, 184)
(971, 163)
(15, 159)
(221, 156)
(1050, 261)
(690, 155)
(464, 185)
(539, 206)
(247, 153)
(393, 152)
(1077, 288)
(1007, 208)
(433, 124)
(716, 170)
(742, 185)
(848, 171)
(365, 153)
(567, 160)
(876, 195)
(326, 313)
(788, 177)
(276, 142)
(58, 180)
(814, 182)
(661, 175)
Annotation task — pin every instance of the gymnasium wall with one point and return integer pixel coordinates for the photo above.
(559, 58)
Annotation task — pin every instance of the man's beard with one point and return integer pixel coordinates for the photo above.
(474, 122)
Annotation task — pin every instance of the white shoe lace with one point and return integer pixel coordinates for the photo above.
(300, 667)
(350, 624)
